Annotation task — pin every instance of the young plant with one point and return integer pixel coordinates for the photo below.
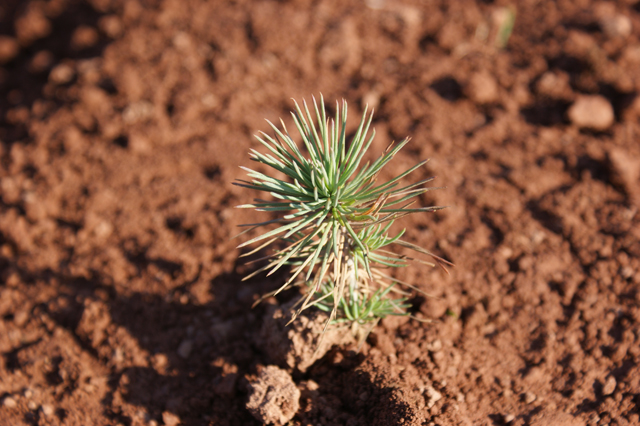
(333, 221)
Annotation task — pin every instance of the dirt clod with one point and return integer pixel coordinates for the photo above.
(609, 386)
(301, 343)
(273, 396)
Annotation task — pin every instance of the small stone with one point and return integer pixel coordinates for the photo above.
(160, 362)
(47, 410)
(592, 112)
(433, 396)
(312, 386)
(435, 346)
(61, 74)
(529, 397)
(609, 386)
(32, 405)
(508, 418)
(184, 350)
(170, 419)
(9, 402)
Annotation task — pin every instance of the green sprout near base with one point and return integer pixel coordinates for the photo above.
(333, 228)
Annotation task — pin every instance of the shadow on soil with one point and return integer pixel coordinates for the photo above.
(198, 356)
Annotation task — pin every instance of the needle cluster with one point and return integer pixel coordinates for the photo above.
(333, 217)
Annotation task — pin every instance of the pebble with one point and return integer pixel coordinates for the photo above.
(435, 346)
(609, 386)
(9, 402)
(433, 395)
(184, 350)
(170, 419)
(160, 362)
(47, 410)
(508, 418)
(592, 112)
(529, 397)
(32, 405)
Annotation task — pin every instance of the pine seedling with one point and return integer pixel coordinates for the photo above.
(333, 218)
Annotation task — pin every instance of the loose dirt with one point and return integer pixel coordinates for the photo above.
(122, 126)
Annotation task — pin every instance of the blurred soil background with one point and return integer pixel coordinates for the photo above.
(122, 126)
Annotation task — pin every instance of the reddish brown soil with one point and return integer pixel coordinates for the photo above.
(122, 126)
